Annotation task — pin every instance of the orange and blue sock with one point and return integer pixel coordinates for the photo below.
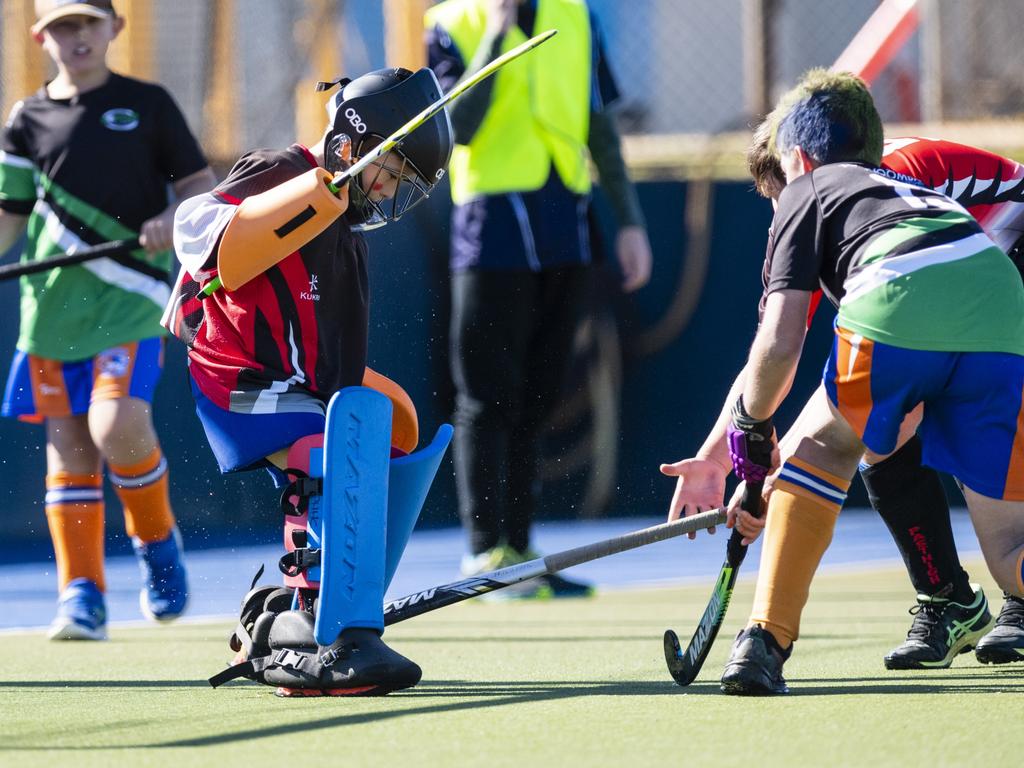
(143, 490)
(74, 513)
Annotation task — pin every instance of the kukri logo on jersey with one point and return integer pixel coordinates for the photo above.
(311, 294)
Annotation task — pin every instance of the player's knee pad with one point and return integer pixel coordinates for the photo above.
(270, 226)
(405, 429)
(301, 505)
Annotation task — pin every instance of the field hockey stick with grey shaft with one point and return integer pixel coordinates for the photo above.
(684, 666)
(395, 139)
(106, 250)
(448, 594)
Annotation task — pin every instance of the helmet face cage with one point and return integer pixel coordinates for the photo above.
(365, 109)
(410, 191)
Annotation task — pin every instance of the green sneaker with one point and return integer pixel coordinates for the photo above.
(941, 630)
(501, 556)
(559, 586)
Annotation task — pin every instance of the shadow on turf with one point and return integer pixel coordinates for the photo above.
(103, 684)
(478, 695)
(495, 694)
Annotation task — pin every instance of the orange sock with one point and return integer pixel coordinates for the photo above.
(142, 488)
(802, 513)
(74, 512)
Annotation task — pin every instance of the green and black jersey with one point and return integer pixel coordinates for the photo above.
(904, 265)
(86, 171)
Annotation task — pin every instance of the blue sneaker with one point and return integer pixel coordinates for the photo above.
(81, 613)
(164, 593)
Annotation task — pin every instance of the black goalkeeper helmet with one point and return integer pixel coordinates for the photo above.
(369, 109)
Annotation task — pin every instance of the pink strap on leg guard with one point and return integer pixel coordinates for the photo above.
(299, 458)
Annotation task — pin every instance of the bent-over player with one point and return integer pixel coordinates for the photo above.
(863, 232)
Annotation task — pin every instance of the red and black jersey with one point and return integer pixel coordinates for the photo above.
(989, 186)
(295, 331)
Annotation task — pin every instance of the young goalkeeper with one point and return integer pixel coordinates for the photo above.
(290, 329)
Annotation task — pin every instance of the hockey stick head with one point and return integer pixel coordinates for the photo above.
(684, 666)
(681, 672)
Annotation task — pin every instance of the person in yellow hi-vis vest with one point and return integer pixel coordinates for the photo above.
(520, 250)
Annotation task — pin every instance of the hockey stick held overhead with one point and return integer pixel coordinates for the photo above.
(448, 594)
(395, 139)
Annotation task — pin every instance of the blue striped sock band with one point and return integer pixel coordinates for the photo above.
(803, 478)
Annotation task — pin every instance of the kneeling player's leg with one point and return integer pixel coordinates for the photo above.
(340, 651)
(802, 509)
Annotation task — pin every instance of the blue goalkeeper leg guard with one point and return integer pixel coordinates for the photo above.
(409, 482)
(357, 454)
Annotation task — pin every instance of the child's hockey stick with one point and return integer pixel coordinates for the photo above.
(396, 138)
(105, 250)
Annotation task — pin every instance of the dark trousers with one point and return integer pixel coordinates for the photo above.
(511, 340)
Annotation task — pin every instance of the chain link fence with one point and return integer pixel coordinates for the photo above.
(241, 69)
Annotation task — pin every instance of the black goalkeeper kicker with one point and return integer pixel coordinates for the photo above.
(457, 591)
(685, 666)
(112, 249)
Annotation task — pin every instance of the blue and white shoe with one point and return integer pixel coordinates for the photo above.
(164, 594)
(81, 613)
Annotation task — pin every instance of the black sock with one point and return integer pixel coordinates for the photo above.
(910, 499)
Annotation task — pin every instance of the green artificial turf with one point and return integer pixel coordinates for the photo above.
(562, 683)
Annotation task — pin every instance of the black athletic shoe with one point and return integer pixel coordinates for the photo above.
(1005, 643)
(360, 663)
(755, 664)
(941, 630)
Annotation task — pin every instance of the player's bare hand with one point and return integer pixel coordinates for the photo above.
(633, 250)
(157, 234)
(700, 486)
(501, 15)
(744, 522)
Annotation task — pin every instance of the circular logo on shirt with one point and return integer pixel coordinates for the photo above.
(120, 119)
(113, 362)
